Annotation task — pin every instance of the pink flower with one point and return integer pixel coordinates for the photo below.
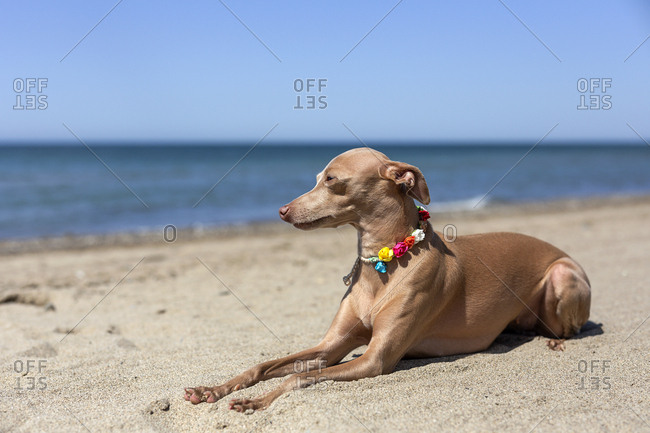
(399, 249)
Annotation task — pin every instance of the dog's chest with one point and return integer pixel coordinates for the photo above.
(367, 302)
(364, 309)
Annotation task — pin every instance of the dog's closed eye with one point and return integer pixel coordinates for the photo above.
(334, 184)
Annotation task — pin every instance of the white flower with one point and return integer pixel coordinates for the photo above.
(418, 235)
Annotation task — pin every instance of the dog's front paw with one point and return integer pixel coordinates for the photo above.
(244, 404)
(202, 394)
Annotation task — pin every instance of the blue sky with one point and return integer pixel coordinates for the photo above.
(432, 71)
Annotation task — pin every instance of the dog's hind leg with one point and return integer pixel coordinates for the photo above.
(567, 300)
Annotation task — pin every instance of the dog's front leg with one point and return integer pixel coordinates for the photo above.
(264, 371)
(345, 334)
(380, 358)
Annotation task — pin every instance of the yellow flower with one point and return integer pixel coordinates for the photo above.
(385, 254)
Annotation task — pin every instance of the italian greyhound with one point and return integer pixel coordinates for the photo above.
(412, 293)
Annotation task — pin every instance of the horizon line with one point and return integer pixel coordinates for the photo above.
(319, 142)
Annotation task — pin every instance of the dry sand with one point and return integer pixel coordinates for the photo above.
(148, 318)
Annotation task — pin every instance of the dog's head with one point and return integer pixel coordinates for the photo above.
(356, 184)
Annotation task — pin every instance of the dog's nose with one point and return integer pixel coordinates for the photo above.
(284, 211)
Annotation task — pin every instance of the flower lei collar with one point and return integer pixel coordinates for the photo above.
(386, 254)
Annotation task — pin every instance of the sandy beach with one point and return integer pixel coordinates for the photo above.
(103, 333)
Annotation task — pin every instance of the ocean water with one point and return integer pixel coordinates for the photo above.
(58, 190)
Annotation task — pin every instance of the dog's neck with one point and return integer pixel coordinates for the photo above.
(391, 224)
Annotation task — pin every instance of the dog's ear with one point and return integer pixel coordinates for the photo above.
(409, 176)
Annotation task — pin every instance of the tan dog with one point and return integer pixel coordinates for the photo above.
(439, 298)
